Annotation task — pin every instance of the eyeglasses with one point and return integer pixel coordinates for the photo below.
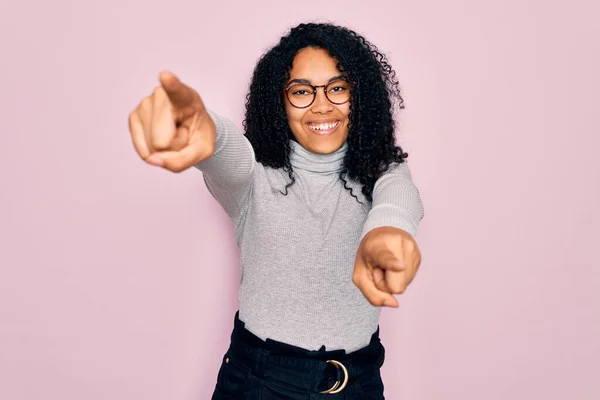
(302, 95)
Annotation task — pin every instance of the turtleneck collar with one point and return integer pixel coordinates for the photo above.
(301, 158)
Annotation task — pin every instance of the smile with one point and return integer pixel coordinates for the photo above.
(323, 128)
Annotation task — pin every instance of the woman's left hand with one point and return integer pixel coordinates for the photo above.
(386, 262)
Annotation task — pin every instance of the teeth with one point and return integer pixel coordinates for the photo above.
(324, 127)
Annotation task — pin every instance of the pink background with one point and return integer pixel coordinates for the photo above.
(118, 279)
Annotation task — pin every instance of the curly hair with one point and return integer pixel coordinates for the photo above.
(371, 145)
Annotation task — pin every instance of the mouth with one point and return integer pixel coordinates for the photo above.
(323, 128)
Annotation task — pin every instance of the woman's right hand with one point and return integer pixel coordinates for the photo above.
(171, 128)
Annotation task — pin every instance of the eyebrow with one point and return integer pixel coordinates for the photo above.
(307, 82)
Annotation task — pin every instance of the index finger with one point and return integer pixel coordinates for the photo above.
(179, 94)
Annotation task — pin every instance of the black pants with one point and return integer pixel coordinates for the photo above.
(253, 369)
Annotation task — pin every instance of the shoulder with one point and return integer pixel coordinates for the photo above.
(398, 170)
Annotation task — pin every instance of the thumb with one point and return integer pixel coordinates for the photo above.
(387, 260)
(179, 94)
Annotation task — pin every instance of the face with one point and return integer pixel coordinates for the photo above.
(322, 127)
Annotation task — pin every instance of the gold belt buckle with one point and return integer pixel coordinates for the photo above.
(338, 386)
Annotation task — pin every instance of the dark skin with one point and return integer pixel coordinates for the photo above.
(387, 259)
(172, 129)
(386, 262)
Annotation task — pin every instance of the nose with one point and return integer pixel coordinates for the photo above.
(321, 103)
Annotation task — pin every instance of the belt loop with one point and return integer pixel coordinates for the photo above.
(260, 361)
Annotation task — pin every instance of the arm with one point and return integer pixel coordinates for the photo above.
(173, 129)
(388, 256)
(229, 172)
(396, 202)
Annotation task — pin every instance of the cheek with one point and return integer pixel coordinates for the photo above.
(343, 110)
(293, 114)
(346, 110)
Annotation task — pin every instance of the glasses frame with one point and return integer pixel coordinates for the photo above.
(315, 87)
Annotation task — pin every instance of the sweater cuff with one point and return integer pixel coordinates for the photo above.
(390, 215)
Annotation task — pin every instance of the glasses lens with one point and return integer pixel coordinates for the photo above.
(338, 92)
(300, 95)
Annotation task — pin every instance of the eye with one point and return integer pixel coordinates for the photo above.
(301, 92)
(337, 89)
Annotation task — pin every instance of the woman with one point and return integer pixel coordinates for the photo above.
(323, 205)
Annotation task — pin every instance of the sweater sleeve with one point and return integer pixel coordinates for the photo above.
(396, 202)
(229, 172)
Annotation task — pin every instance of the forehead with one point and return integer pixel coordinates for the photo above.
(316, 65)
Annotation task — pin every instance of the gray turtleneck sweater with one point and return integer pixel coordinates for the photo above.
(297, 251)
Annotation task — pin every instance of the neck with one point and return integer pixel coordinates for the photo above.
(302, 158)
